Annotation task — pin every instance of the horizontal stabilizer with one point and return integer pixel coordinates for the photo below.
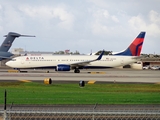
(18, 35)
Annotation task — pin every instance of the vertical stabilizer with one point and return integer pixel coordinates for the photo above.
(7, 43)
(135, 47)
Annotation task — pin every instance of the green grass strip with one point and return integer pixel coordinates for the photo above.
(106, 93)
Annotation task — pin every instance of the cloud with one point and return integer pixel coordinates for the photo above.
(103, 22)
(152, 26)
(99, 3)
(137, 22)
(115, 19)
(154, 17)
(10, 19)
(72, 23)
(1, 20)
(67, 19)
(46, 14)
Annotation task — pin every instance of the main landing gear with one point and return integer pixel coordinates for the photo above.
(76, 70)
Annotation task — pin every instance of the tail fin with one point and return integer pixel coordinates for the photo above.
(135, 47)
(7, 43)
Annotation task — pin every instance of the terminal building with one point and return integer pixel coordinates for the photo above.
(144, 62)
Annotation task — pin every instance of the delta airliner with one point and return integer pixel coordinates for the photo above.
(77, 62)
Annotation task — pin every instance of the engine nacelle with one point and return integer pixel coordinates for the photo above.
(63, 67)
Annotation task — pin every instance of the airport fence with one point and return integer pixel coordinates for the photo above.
(80, 113)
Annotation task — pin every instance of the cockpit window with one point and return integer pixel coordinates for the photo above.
(13, 59)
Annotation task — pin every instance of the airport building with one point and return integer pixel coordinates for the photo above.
(21, 52)
(144, 62)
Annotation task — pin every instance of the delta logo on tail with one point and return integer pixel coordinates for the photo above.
(135, 47)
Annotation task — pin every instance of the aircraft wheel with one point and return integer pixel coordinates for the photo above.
(76, 71)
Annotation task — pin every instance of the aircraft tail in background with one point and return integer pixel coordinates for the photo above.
(135, 47)
(7, 43)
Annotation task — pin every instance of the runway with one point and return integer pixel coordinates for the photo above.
(85, 111)
(98, 75)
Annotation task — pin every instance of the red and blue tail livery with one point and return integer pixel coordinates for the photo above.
(135, 47)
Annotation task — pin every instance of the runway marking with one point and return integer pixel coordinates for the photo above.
(13, 71)
(25, 80)
(97, 72)
(91, 82)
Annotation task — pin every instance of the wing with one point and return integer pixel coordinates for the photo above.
(2, 57)
(84, 63)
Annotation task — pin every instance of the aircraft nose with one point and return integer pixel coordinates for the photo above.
(8, 63)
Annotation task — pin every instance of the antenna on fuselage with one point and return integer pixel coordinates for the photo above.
(91, 52)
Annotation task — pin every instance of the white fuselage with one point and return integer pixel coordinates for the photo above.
(53, 61)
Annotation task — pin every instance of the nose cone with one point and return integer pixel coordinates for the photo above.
(8, 64)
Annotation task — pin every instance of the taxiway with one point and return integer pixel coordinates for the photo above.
(103, 75)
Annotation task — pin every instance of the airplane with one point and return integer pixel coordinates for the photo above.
(7, 43)
(77, 62)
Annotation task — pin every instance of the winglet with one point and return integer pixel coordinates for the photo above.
(100, 56)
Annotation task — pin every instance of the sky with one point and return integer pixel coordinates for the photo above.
(81, 25)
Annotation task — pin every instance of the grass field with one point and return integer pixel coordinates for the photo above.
(106, 93)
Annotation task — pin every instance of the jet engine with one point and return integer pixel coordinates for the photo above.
(63, 67)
